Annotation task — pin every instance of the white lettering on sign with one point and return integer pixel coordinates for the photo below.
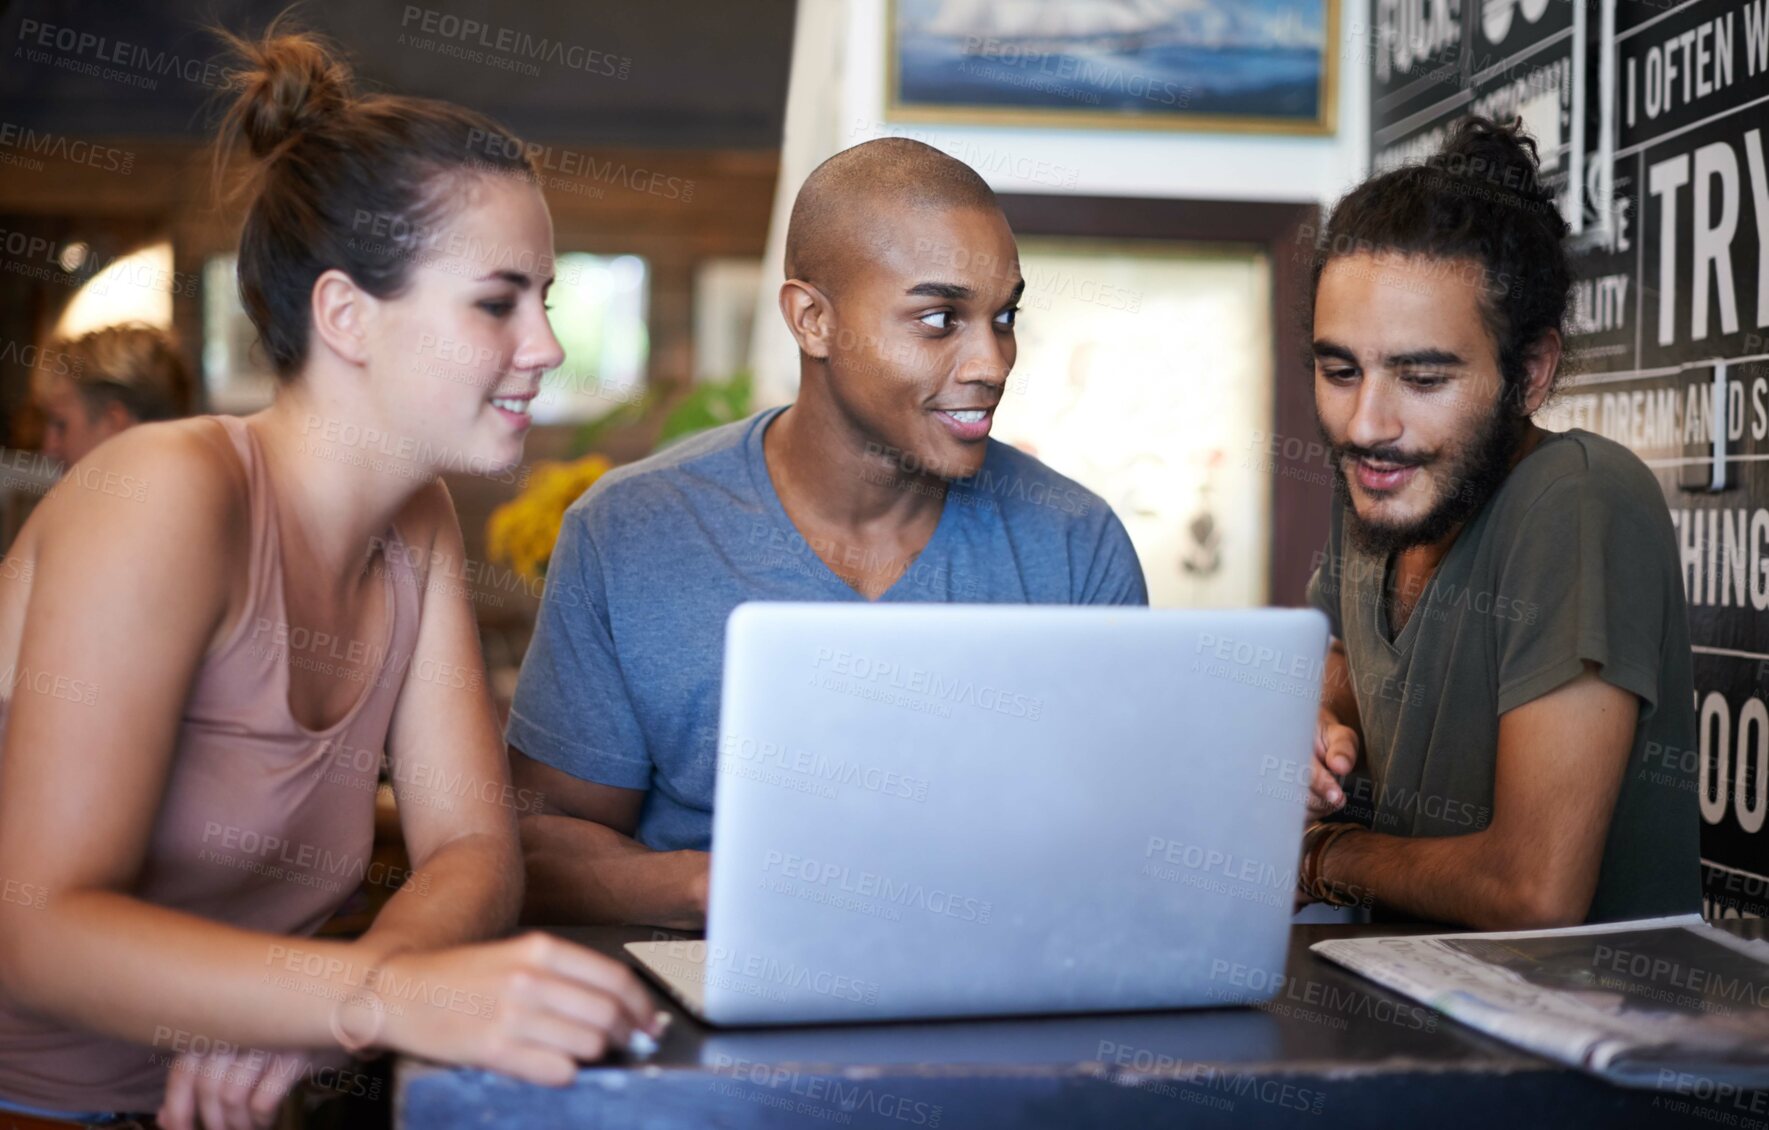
(1725, 557)
(1717, 188)
(1410, 31)
(1495, 16)
(1696, 63)
(1725, 760)
(1657, 419)
(1600, 304)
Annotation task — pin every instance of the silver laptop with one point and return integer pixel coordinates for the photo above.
(928, 810)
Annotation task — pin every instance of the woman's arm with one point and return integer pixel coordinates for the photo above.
(446, 756)
(130, 588)
(127, 595)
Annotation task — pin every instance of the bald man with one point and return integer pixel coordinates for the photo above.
(879, 483)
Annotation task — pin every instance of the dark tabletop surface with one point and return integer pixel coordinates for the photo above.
(1330, 1049)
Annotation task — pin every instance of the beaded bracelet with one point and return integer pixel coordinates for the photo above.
(1314, 846)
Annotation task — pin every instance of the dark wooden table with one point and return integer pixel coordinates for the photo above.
(1330, 1050)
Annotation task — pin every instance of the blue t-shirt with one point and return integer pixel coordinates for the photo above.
(620, 685)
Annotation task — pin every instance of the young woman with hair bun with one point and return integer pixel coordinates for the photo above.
(205, 669)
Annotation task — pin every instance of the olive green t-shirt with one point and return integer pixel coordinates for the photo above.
(1573, 558)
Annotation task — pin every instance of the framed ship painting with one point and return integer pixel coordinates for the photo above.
(1255, 66)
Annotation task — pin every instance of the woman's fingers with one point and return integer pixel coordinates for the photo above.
(533, 1063)
(235, 1089)
(589, 1008)
(582, 1042)
(178, 1109)
(273, 1087)
(222, 1090)
(209, 1105)
(591, 969)
(554, 1004)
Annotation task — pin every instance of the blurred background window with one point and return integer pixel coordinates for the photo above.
(599, 306)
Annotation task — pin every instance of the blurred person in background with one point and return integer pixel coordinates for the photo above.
(108, 381)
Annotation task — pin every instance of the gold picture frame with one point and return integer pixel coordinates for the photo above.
(1021, 52)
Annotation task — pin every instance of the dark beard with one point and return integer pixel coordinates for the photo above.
(1472, 479)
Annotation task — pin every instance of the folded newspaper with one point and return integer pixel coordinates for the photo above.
(1652, 1003)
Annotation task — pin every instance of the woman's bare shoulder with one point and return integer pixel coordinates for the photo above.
(176, 478)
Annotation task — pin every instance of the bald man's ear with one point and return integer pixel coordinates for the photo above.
(810, 316)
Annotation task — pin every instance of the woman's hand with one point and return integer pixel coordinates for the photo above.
(236, 1089)
(1335, 753)
(533, 1007)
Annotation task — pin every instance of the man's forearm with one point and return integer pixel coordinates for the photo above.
(1469, 880)
(586, 873)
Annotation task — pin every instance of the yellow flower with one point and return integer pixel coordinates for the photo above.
(521, 532)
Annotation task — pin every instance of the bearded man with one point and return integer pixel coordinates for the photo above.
(1508, 698)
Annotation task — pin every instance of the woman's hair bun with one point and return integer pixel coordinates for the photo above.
(288, 82)
(315, 158)
(1501, 159)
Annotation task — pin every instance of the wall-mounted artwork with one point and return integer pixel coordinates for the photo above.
(1239, 65)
